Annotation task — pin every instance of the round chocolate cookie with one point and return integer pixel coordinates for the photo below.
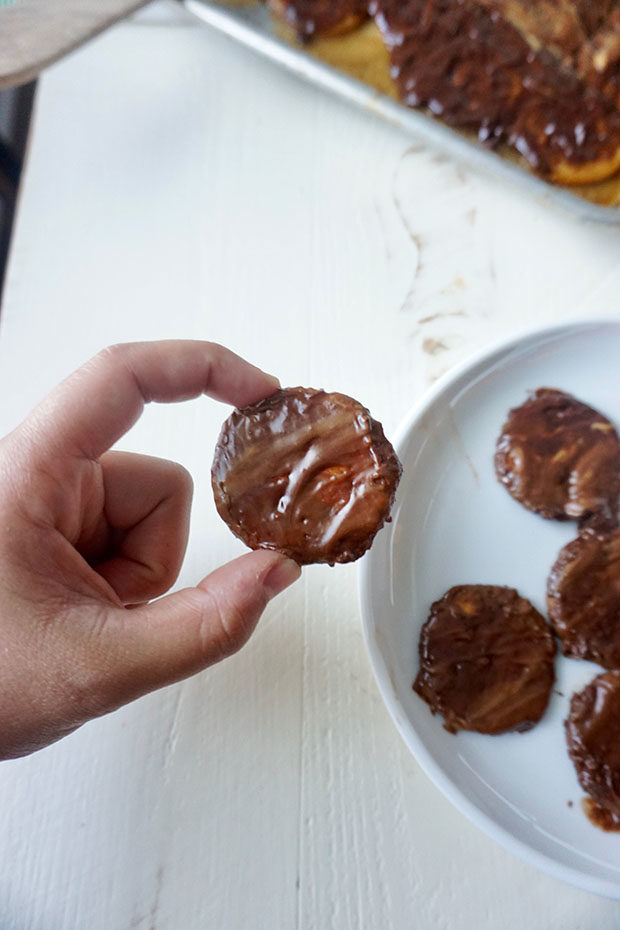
(486, 660)
(305, 472)
(560, 458)
(593, 736)
(583, 597)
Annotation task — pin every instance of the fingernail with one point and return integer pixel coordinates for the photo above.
(281, 576)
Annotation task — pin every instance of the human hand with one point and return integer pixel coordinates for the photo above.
(88, 537)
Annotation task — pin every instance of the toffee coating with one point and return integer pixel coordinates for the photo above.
(560, 458)
(305, 472)
(593, 737)
(583, 597)
(486, 660)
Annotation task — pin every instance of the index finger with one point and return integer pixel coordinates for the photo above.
(96, 405)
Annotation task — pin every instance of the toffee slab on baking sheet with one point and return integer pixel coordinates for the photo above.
(355, 66)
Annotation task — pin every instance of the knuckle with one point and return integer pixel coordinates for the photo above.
(116, 358)
(222, 631)
(183, 481)
(157, 578)
(112, 352)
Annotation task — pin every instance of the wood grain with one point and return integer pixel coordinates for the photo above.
(35, 33)
(199, 192)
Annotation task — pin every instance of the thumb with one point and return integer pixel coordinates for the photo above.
(180, 634)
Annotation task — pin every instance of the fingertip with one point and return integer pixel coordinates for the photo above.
(280, 576)
(275, 381)
(262, 385)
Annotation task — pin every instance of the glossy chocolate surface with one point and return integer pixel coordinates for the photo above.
(583, 597)
(486, 660)
(305, 472)
(471, 66)
(593, 14)
(560, 458)
(598, 59)
(310, 18)
(593, 736)
(542, 76)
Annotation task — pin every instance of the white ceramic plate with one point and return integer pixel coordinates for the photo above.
(454, 523)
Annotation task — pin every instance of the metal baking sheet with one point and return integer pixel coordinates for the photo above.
(253, 26)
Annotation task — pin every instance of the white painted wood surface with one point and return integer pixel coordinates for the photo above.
(178, 186)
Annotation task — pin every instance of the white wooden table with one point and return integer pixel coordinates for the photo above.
(177, 186)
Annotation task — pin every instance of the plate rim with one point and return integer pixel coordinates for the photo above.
(489, 354)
